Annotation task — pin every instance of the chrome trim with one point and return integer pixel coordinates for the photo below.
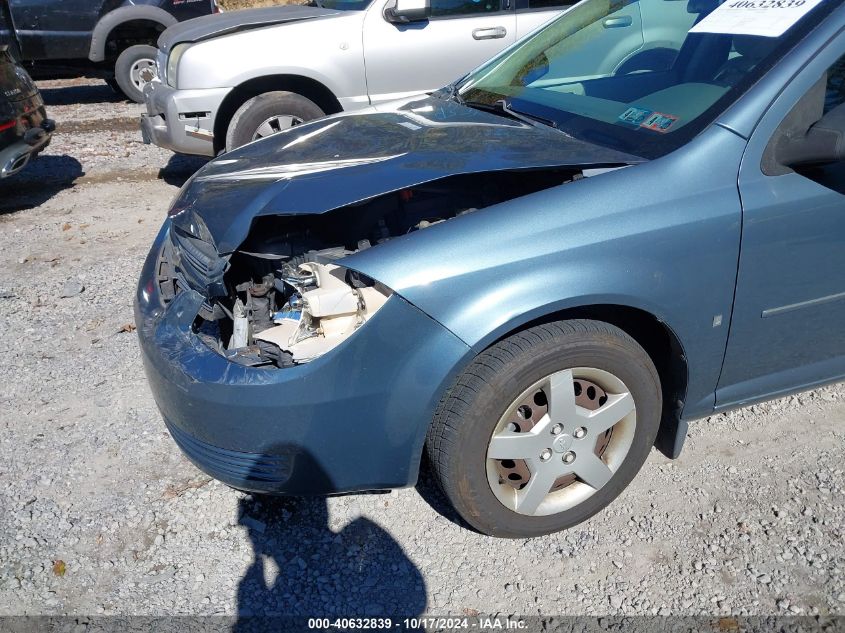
(803, 304)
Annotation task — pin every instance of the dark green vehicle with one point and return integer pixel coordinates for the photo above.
(25, 129)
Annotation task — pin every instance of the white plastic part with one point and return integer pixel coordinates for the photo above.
(330, 314)
(240, 327)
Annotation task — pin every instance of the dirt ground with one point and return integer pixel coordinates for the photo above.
(102, 515)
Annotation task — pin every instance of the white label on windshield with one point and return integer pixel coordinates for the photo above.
(767, 18)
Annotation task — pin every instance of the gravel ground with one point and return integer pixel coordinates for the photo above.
(100, 513)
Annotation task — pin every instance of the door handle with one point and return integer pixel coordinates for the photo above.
(618, 23)
(492, 33)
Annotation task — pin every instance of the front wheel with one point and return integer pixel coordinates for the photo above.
(268, 114)
(133, 69)
(545, 428)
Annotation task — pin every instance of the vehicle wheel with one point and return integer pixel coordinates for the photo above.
(129, 68)
(269, 114)
(546, 428)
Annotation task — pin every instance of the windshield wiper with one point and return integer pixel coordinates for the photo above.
(524, 116)
(503, 107)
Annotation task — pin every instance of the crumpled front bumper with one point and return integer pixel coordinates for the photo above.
(181, 120)
(353, 419)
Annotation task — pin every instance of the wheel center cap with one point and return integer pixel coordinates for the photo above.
(562, 443)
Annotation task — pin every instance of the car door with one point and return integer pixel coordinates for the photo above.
(54, 30)
(789, 312)
(531, 14)
(406, 59)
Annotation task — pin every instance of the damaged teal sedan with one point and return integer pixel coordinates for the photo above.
(535, 275)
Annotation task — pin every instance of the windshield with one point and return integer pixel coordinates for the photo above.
(343, 5)
(641, 76)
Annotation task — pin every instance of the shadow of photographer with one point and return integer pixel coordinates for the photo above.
(301, 567)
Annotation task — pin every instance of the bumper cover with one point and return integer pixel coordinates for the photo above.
(16, 156)
(181, 120)
(353, 419)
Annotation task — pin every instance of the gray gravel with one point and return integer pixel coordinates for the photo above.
(100, 513)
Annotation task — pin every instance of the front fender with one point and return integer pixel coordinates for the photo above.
(662, 237)
(298, 48)
(120, 16)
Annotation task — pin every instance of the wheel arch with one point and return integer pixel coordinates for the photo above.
(652, 333)
(145, 17)
(308, 87)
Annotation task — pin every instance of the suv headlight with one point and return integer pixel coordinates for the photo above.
(173, 64)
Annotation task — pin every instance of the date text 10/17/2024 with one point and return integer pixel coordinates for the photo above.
(478, 623)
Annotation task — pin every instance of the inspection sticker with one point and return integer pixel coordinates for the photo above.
(659, 122)
(634, 115)
(766, 18)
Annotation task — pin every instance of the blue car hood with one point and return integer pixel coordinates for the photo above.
(342, 160)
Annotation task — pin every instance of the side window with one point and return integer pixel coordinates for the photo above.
(808, 140)
(835, 92)
(458, 8)
(549, 4)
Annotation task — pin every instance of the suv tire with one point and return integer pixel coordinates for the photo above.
(267, 114)
(128, 67)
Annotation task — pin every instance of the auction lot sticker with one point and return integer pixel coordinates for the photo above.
(767, 18)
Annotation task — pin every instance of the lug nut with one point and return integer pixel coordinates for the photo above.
(546, 455)
(568, 457)
(556, 429)
(580, 432)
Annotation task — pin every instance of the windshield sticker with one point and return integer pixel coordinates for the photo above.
(766, 18)
(634, 115)
(659, 122)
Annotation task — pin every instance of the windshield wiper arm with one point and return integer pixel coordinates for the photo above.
(532, 119)
(503, 107)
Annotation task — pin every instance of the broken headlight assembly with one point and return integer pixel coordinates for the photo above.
(300, 312)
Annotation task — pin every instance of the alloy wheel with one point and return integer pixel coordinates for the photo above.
(275, 124)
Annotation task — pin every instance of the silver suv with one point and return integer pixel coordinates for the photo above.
(226, 80)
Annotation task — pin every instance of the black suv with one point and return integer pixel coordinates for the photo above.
(24, 127)
(113, 39)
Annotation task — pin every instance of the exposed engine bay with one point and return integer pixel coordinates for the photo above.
(286, 299)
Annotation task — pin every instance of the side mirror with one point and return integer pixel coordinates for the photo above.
(407, 11)
(823, 144)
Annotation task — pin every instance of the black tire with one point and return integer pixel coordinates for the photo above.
(250, 116)
(463, 424)
(112, 83)
(123, 69)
